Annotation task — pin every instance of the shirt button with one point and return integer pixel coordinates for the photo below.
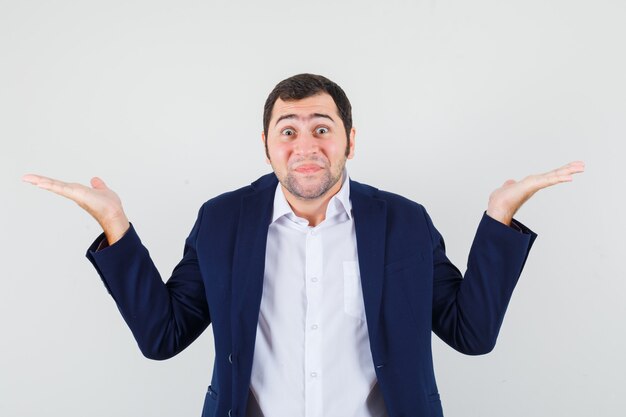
(230, 413)
(314, 374)
(230, 358)
(314, 279)
(314, 327)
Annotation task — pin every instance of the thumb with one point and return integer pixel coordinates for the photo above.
(98, 184)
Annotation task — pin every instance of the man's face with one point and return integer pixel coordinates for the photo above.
(306, 145)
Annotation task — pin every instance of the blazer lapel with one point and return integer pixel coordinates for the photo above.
(370, 217)
(247, 277)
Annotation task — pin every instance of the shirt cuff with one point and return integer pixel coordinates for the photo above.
(104, 243)
(515, 224)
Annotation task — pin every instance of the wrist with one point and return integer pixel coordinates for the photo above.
(115, 228)
(503, 216)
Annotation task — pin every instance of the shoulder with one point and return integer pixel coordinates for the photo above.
(221, 213)
(231, 200)
(392, 200)
(402, 212)
(406, 220)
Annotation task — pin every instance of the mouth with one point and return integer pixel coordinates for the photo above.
(308, 169)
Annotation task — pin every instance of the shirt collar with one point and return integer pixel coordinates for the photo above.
(340, 202)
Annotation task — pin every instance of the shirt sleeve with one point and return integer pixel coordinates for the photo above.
(103, 243)
(516, 225)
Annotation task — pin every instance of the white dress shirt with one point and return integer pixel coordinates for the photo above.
(312, 354)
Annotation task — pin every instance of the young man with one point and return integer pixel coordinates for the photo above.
(323, 292)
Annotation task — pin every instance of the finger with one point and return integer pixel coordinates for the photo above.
(35, 179)
(97, 183)
(555, 177)
(582, 163)
(571, 168)
(69, 190)
(41, 181)
(561, 174)
(576, 167)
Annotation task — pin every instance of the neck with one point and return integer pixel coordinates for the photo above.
(313, 210)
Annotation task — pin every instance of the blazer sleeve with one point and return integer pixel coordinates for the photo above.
(468, 310)
(163, 317)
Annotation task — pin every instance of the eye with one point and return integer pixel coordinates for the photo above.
(288, 132)
(321, 130)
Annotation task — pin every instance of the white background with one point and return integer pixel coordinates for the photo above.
(164, 100)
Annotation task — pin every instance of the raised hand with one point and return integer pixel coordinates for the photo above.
(506, 200)
(99, 201)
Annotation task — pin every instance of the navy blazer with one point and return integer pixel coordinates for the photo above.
(410, 288)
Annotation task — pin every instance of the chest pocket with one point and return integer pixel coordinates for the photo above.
(353, 304)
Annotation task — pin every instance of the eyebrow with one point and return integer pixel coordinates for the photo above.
(311, 116)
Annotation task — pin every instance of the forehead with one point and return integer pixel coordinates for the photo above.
(319, 103)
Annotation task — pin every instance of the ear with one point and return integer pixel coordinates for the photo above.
(267, 157)
(352, 136)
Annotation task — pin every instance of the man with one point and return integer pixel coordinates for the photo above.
(323, 292)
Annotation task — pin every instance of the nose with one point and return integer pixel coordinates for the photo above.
(306, 144)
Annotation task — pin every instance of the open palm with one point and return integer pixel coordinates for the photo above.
(506, 200)
(102, 203)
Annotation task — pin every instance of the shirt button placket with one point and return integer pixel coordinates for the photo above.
(314, 266)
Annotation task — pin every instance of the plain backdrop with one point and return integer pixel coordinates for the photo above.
(163, 100)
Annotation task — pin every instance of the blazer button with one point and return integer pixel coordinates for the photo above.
(230, 413)
(230, 358)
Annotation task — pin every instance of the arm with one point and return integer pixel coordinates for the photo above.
(468, 311)
(164, 318)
